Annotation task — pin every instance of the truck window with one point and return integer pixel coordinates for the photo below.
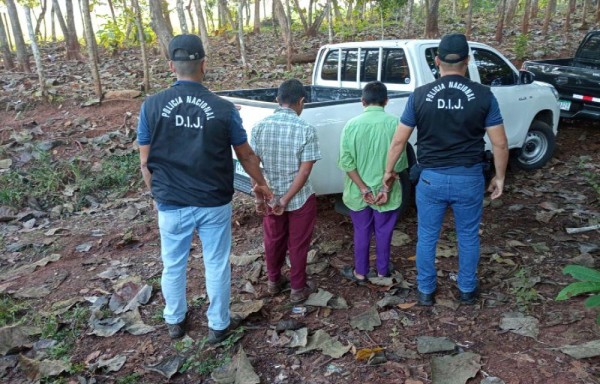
(430, 54)
(350, 65)
(591, 49)
(330, 66)
(370, 66)
(395, 67)
(493, 71)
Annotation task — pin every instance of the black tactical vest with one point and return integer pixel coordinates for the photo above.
(190, 148)
(450, 115)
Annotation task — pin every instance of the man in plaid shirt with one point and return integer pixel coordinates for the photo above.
(288, 148)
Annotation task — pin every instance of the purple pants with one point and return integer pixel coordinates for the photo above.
(367, 222)
(292, 232)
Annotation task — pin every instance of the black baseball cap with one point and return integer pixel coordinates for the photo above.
(453, 48)
(190, 44)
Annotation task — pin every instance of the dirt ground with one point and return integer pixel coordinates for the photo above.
(524, 248)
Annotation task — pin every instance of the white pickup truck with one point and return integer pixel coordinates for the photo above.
(530, 109)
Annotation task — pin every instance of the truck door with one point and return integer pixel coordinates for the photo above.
(501, 76)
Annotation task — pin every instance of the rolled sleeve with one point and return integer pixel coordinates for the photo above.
(238, 133)
(143, 132)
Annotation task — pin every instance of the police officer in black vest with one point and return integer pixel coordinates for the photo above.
(451, 115)
(185, 135)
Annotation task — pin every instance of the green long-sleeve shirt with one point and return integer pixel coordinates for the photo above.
(363, 147)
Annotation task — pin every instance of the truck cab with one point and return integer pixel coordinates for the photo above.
(403, 65)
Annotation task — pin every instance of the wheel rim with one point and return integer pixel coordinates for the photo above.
(536, 145)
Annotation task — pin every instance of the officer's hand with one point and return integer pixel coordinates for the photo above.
(264, 191)
(496, 187)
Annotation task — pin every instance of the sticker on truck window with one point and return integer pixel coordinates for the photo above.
(565, 105)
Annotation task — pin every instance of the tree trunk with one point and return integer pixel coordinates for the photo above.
(314, 28)
(142, 39)
(112, 11)
(302, 16)
(191, 16)
(226, 14)
(53, 24)
(241, 34)
(584, 15)
(310, 11)
(36, 51)
(92, 53)
(160, 27)
(411, 7)
(329, 23)
(22, 55)
(500, 24)
(336, 10)
(598, 11)
(525, 23)
(286, 32)
(73, 46)
(10, 42)
(181, 15)
(469, 27)
(5, 47)
(256, 28)
(202, 26)
(511, 10)
(38, 24)
(535, 8)
(568, 12)
(549, 13)
(164, 6)
(431, 25)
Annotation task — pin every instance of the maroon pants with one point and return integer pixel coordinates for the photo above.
(292, 232)
(367, 222)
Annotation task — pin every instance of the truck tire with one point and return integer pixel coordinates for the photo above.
(407, 200)
(538, 147)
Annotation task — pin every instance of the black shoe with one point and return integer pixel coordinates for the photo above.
(469, 298)
(425, 299)
(216, 336)
(176, 331)
(348, 273)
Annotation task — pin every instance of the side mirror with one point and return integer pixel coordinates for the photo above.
(526, 77)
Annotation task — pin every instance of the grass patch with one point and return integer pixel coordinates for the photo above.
(11, 311)
(523, 289)
(54, 182)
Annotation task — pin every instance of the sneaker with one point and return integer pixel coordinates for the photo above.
(275, 288)
(176, 331)
(469, 298)
(300, 295)
(217, 336)
(425, 299)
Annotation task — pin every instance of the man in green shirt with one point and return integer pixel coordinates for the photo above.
(373, 208)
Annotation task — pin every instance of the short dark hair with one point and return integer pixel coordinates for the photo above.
(375, 93)
(290, 92)
(185, 68)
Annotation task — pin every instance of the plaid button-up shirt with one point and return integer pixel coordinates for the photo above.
(283, 141)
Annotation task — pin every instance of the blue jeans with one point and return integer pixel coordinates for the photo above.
(435, 193)
(176, 231)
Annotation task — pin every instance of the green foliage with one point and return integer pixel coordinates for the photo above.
(202, 361)
(523, 289)
(110, 35)
(50, 182)
(132, 378)
(10, 310)
(589, 283)
(521, 46)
